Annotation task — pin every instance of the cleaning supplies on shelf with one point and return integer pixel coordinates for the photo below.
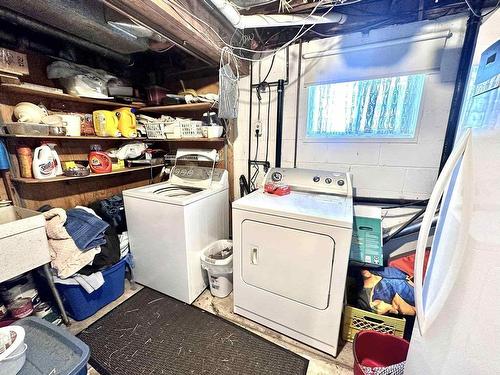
(25, 157)
(57, 161)
(44, 165)
(106, 123)
(99, 161)
(72, 123)
(127, 123)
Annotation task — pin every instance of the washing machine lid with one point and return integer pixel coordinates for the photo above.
(166, 192)
(314, 207)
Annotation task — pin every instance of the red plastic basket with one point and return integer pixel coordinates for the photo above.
(377, 353)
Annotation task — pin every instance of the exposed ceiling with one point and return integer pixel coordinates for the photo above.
(87, 19)
(148, 29)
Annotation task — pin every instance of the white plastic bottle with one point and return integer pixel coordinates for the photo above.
(43, 163)
(57, 161)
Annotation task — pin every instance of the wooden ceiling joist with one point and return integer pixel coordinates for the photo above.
(181, 26)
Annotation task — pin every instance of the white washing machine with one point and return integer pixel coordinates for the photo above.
(291, 254)
(170, 223)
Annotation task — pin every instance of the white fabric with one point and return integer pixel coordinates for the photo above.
(90, 283)
(124, 244)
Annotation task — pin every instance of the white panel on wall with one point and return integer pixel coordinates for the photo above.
(376, 62)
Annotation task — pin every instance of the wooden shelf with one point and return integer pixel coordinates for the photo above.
(96, 138)
(92, 175)
(193, 107)
(61, 96)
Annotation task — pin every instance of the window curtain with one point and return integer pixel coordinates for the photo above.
(385, 107)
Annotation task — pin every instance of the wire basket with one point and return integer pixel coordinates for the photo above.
(355, 320)
(190, 128)
(155, 130)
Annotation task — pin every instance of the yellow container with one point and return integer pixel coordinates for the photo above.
(355, 320)
(105, 123)
(127, 123)
(117, 164)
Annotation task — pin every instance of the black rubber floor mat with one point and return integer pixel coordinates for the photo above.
(151, 333)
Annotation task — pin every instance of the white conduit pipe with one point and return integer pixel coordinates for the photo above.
(275, 20)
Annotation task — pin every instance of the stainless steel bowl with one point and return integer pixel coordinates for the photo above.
(57, 130)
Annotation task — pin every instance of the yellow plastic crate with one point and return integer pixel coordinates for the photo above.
(355, 320)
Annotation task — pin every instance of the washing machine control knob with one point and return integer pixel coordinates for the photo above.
(316, 178)
(340, 182)
(328, 180)
(276, 176)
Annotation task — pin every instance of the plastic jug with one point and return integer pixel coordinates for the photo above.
(127, 123)
(106, 123)
(57, 161)
(99, 161)
(44, 165)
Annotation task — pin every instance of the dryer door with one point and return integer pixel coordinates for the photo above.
(291, 263)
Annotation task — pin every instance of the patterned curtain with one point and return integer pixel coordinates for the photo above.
(384, 107)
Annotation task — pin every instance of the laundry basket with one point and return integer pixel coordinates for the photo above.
(217, 259)
(80, 305)
(379, 354)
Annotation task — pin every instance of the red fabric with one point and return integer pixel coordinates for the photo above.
(374, 349)
(407, 263)
(277, 189)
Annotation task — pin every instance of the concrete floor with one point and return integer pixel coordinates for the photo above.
(319, 362)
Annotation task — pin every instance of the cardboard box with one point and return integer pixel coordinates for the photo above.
(13, 62)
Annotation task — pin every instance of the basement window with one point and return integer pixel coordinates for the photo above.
(369, 109)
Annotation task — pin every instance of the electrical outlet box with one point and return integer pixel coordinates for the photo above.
(258, 129)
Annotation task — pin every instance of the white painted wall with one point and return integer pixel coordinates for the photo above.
(385, 169)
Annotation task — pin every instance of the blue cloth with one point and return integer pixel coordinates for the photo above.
(393, 282)
(86, 229)
(4, 157)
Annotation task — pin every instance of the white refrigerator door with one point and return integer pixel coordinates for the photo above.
(458, 309)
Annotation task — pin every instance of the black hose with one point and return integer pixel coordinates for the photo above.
(405, 225)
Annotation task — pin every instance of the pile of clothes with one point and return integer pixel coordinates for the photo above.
(389, 290)
(83, 243)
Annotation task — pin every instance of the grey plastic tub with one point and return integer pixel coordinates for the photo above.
(52, 350)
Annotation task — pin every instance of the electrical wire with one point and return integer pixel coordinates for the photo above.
(299, 34)
(268, 121)
(484, 15)
(269, 71)
(253, 179)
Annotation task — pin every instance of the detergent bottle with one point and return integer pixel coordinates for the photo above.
(99, 161)
(127, 123)
(105, 123)
(44, 165)
(57, 161)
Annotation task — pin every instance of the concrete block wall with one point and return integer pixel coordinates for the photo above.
(380, 169)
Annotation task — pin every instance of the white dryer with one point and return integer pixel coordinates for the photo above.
(291, 254)
(169, 223)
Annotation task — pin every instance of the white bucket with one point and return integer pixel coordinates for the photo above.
(219, 268)
(14, 362)
(13, 358)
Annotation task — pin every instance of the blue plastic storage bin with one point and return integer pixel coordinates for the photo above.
(52, 349)
(80, 305)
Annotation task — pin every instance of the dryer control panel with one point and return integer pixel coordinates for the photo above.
(327, 182)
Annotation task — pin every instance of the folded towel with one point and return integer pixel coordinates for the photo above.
(86, 229)
(90, 283)
(65, 256)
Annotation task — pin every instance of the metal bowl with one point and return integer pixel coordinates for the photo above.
(57, 130)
